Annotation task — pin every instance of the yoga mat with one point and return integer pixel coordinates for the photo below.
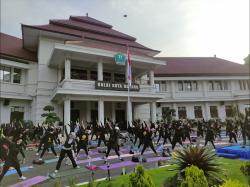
(30, 182)
(118, 165)
(13, 171)
(68, 172)
(130, 163)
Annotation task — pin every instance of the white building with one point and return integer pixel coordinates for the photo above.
(70, 64)
(202, 87)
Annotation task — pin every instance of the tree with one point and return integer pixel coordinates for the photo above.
(140, 178)
(167, 114)
(202, 157)
(50, 116)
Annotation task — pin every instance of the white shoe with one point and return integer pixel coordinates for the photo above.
(22, 178)
(40, 159)
(77, 167)
(37, 154)
(57, 156)
(56, 171)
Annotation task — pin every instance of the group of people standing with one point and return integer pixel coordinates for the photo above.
(141, 135)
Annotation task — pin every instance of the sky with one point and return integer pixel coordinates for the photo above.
(198, 28)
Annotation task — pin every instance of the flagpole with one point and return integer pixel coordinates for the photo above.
(128, 104)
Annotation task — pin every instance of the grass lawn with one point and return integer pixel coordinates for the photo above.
(231, 170)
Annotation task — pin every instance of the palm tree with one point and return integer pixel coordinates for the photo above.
(202, 157)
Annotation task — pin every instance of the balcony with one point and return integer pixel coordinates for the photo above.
(12, 90)
(88, 87)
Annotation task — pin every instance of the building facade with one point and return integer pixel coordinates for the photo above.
(202, 87)
(77, 65)
(70, 64)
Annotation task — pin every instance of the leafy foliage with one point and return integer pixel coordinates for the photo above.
(202, 157)
(58, 183)
(194, 177)
(173, 181)
(233, 183)
(140, 178)
(245, 169)
(167, 114)
(50, 116)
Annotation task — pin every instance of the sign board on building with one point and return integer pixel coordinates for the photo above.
(120, 59)
(117, 86)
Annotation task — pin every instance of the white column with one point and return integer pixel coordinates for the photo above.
(176, 110)
(129, 112)
(113, 112)
(205, 88)
(207, 111)
(88, 111)
(101, 111)
(67, 68)
(100, 71)
(67, 114)
(59, 75)
(173, 88)
(153, 111)
(151, 78)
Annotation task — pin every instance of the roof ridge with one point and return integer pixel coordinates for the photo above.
(90, 20)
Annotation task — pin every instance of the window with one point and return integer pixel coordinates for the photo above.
(107, 76)
(218, 85)
(214, 112)
(17, 76)
(211, 85)
(161, 86)
(78, 74)
(195, 85)
(229, 111)
(187, 86)
(17, 113)
(93, 75)
(180, 85)
(198, 112)
(244, 84)
(182, 113)
(225, 85)
(5, 74)
(119, 77)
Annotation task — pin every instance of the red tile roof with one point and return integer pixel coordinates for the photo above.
(200, 66)
(12, 47)
(90, 28)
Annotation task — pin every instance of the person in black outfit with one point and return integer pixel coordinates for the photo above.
(199, 129)
(83, 136)
(231, 132)
(67, 149)
(147, 141)
(49, 138)
(167, 134)
(178, 133)
(11, 159)
(113, 142)
(101, 135)
(209, 135)
(161, 132)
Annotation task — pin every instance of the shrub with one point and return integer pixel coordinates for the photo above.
(245, 169)
(202, 157)
(58, 183)
(233, 183)
(194, 177)
(140, 178)
(49, 115)
(173, 181)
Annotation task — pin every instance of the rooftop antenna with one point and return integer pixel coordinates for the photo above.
(87, 14)
(125, 15)
(215, 56)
